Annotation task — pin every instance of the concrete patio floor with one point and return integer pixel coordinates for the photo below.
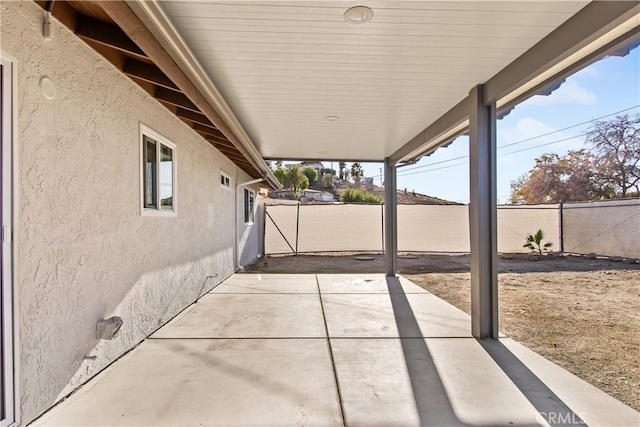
(330, 350)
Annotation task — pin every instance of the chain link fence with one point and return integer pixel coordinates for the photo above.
(607, 228)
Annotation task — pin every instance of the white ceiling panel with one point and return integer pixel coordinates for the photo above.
(284, 66)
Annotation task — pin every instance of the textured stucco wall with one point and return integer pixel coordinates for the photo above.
(86, 253)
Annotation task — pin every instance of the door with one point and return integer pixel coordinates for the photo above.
(7, 367)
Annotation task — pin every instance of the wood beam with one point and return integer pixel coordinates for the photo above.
(108, 35)
(115, 57)
(210, 131)
(205, 131)
(222, 142)
(175, 98)
(194, 117)
(122, 15)
(147, 72)
(233, 156)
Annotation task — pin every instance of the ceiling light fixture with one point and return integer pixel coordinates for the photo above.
(358, 15)
(332, 118)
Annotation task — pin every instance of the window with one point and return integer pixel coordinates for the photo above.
(249, 196)
(225, 180)
(158, 174)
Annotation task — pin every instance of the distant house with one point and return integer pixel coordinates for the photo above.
(318, 166)
(285, 193)
(318, 196)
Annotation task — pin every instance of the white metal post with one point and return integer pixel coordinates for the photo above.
(483, 217)
(390, 218)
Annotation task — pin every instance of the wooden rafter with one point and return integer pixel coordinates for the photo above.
(148, 73)
(194, 117)
(108, 35)
(92, 22)
(122, 15)
(175, 98)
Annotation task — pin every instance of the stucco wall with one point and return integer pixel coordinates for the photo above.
(85, 252)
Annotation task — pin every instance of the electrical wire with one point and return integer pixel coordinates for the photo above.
(525, 140)
(404, 172)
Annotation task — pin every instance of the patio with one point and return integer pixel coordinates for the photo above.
(330, 349)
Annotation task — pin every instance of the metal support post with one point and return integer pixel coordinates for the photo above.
(390, 218)
(483, 217)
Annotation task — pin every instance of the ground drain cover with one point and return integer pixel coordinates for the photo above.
(363, 258)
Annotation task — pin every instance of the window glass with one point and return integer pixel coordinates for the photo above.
(158, 174)
(225, 181)
(166, 177)
(150, 174)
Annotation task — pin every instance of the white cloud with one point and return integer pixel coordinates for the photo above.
(524, 129)
(569, 93)
(528, 131)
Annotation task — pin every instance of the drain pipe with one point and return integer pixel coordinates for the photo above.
(237, 245)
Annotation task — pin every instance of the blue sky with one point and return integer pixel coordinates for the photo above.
(609, 85)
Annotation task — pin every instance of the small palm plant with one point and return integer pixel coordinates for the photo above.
(534, 242)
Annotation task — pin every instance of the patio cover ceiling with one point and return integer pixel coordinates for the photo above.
(284, 67)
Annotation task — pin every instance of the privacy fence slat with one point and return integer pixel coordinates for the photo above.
(607, 228)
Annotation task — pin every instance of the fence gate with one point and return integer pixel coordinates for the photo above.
(323, 228)
(281, 228)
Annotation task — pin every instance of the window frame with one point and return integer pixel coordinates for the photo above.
(226, 176)
(249, 215)
(160, 140)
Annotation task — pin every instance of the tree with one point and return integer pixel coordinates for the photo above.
(354, 195)
(342, 167)
(616, 147)
(609, 169)
(554, 179)
(357, 172)
(311, 174)
(327, 180)
(282, 175)
(292, 178)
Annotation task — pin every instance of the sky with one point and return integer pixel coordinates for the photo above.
(605, 87)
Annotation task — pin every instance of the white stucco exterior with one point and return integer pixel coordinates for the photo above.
(85, 251)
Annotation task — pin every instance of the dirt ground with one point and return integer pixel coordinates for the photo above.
(582, 314)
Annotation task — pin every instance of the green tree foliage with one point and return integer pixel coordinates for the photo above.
(327, 180)
(354, 195)
(292, 178)
(342, 167)
(357, 172)
(282, 175)
(534, 242)
(311, 174)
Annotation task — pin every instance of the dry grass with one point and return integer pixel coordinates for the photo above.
(582, 314)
